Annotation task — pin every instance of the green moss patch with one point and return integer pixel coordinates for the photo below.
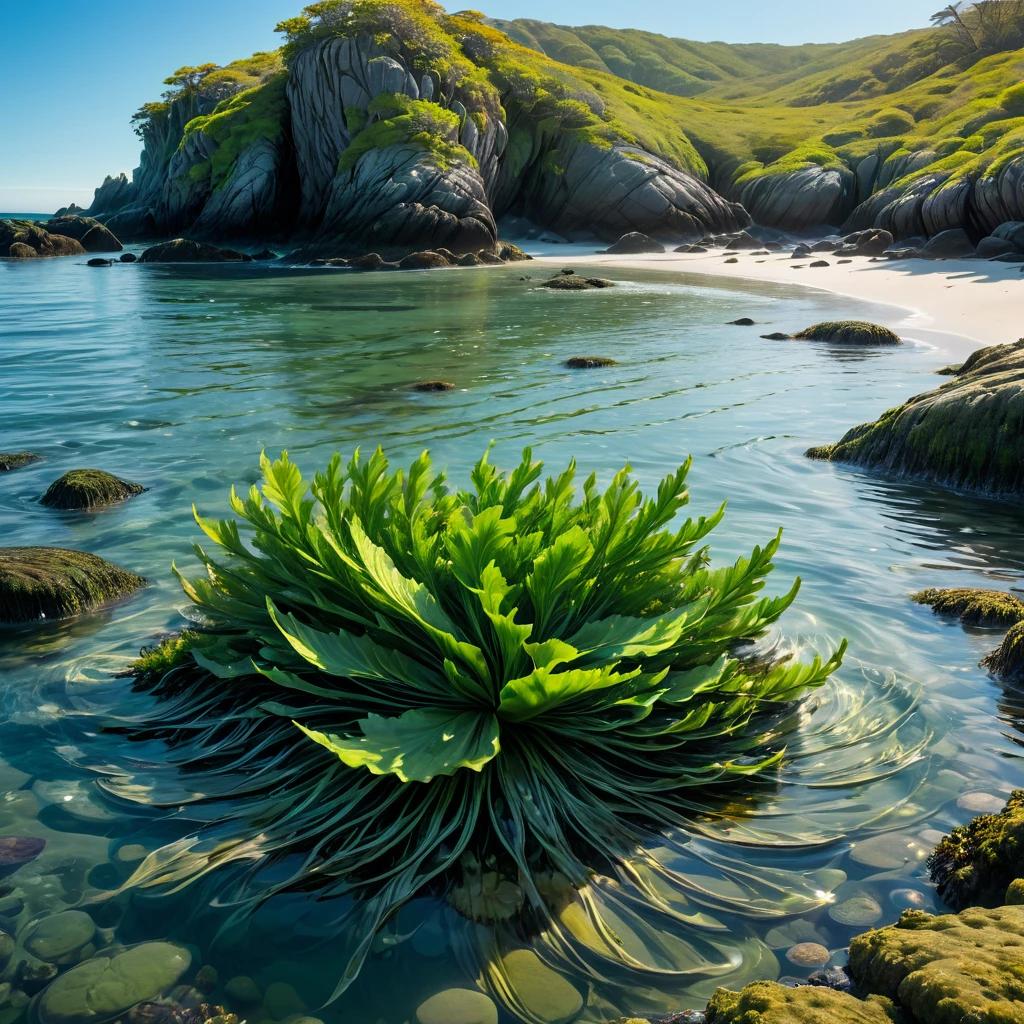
(849, 332)
(768, 1002)
(53, 583)
(87, 489)
(974, 607)
(976, 862)
(169, 653)
(1007, 662)
(10, 461)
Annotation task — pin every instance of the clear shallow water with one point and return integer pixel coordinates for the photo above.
(177, 378)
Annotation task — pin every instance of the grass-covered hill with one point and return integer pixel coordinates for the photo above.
(581, 130)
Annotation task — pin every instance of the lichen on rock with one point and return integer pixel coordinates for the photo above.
(83, 489)
(53, 583)
(988, 608)
(976, 862)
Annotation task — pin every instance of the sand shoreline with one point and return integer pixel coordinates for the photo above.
(959, 305)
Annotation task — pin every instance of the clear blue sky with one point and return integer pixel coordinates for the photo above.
(72, 72)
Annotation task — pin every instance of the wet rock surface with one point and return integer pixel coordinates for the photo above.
(83, 489)
(10, 461)
(849, 332)
(184, 250)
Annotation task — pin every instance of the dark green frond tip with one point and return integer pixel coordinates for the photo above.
(54, 583)
(849, 332)
(467, 691)
(588, 362)
(1007, 661)
(87, 489)
(974, 607)
(975, 863)
(10, 461)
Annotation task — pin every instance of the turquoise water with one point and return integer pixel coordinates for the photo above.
(178, 377)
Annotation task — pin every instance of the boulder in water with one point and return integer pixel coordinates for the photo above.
(635, 242)
(98, 261)
(184, 250)
(10, 461)
(53, 583)
(744, 321)
(588, 362)
(1007, 661)
(987, 608)
(26, 240)
(965, 434)
(129, 257)
(574, 283)
(849, 332)
(82, 489)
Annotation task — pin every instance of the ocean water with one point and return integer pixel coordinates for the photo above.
(179, 377)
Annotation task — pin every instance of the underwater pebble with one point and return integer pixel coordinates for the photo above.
(206, 978)
(281, 1001)
(243, 989)
(808, 954)
(547, 995)
(980, 803)
(859, 911)
(55, 938)
(888, 852)
(131, 852)
(17, 850)
(910, 899)
(457, 1006)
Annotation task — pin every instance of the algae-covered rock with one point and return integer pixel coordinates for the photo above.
(974, 607)
(545, 994)
(948, 969)
(768, 1002)
(566, 283)
(52, 583)
(849, 332)
(433, 385)
(10, 461)
(111, 982)
(1007, 661)
(588, 362)
(59, 936)
(88, 488)
(457, 1006)
(976, 862)
(968, 433)
(183, 250)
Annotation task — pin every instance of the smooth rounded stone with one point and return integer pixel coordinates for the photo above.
(206, 978)
(743, 321)
(489, 258)
(980, 803)
(457, 1006)
(1015, 893)
(872, 242)
(131, 853)
(34, 977)
(508, 252)
(888, 852)
(425, 260)
(18, 850)
(1007, 661)
(10, 461)
(84, 489)
(635, 242)
(281, 1001)
(99, 262)
(949, 245)
(243, 989)
(819, 263)
(74, 797)
(692, 248)
(53, 938)
(547, 995)
(857, 912)
(910, 899)
(808, 954)
(849, 332)
(7, 945)
(100, 239)
(974, 607)
(776, 336)
(107, 985)
(130, 257)
(990, 247)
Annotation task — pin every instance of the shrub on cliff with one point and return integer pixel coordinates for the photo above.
(406, 681)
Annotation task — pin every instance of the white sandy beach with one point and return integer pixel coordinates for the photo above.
(962, 304)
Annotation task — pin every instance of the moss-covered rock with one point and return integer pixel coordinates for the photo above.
(588, 362)
(53, 583)
(81, 489)
(509, 253)
(968, 433)
(433, 385)
(1007, 661)
(849, 332)
(10, 461)
(1015, 893)
(989, 608)
(573, 283)
(976, 862)
(768, 1002)
(948, 969)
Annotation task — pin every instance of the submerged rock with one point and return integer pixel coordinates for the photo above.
(768, 1002)
(574, 283)
(1007, 661)
(849, 332)
(55, 939)
(53, 583)
(130, 257)
(10, 461)
(184, 250)
(949, 968)
(588, 362)
(99, 262)
(433, 385)
(974, 607)
(81, 489)
(966, 433)
(976, 862)
(776, 336)
(18, 850)
(457, 1006)
(99, 989)
(744, 321)
(547, 995)
(634, 242)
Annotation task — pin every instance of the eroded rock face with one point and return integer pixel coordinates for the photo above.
(968, 433)
(803, 199)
